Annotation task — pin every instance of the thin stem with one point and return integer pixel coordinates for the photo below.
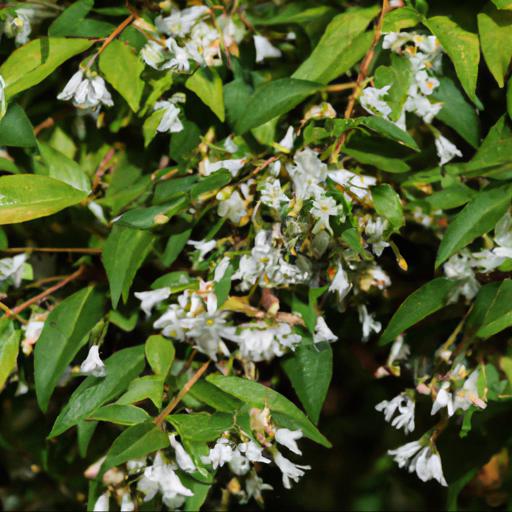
(79, 250)
(340, 87)
(9, 312)
(46, 293)
(104, 165)
(177, 399)
(361, 77)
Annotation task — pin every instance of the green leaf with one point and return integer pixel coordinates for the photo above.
(398, 19)
(481, 305)
(201, 426)
(451, 197)
(272, 99)
(39, 58)
(68, 23)
(387, 129)
(181, 232)
(398, 76)
(120, 414)
(214, 397)
(152, 216)
(309, 369)
(25, 197)
(16, 128)
(457, 113)
(499, 314)
(207, 85)
(147, 387)
(495, 29)
(340, 47)
(62, 168)
(85, 431)
(160, 354)
(503, 4)
(124, 252)
(258, 395)
(387, 204)
(477, 218)
(121, 67)
(463, 49)
(122, 367)
(426, 300)
(134, 443)
(509, 98)
(9, 347)
(236, 96)
(223, 287)
(65, 332)
(149, 128)
(200, 490)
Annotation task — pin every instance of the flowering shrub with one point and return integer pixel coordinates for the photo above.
(203, 204)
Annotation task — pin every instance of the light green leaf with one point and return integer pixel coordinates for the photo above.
(25, 197)
(33, 62)
(207, 84)
(120, 414)
(509, 98)
(122, 367)
(503, 4)
(398, 19)
(160, 354)
(451, 197)
(16, 128)
(134, 443)
(9, 347)
(149, 128)
(124, 252)
(68, 23)
(258, 395)
(272, 99)
(211, 395)
(495, 29)
(463, 49)
(426, 300)
(477, 218)
(62, 168)
(201, 426)
(65, 332)
(309, 369)
(387, 204)
(499, 313)
(121, 67)
(457, 113)
(340, 47)
(148, 386)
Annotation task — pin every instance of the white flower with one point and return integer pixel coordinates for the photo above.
(443, 399)
(233, 166)
(289, 470)
(446, 150)
(32, 332)
(3, 103)
(357, 184)
(323, 208)
(221, 453)
(459, 267)
(372, 100)
(135, 465)
(374, 230)
(93, 365)
(272, 194)
(127, 503)
(405, 407)
(368, 323)
(151, 298)
(405, 453)
(229, 145)
(160, 477)
(307, 172)
(399, 351)
(340, 284)
(171, 323)
(265, 49)
(170, 121)
(102, 503)
(322, 332)
(220, 269)
(183, 459)
(426, 83)
(254, 486)
(232, 207)
(86, 92)
(422, 106)
(287, 141)
(179, 23)
(203, 246)
(239, 464)
(468, 394)
(18, 27)
(12, 268)
(288, 438)
(253, 452)
(154, 54)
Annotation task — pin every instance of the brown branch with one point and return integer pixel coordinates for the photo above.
(18, 309)
(47, 123)
(100, 171)
(79, 250)
(361, 77)
(115, 33)
(340, 87)
(177, 399)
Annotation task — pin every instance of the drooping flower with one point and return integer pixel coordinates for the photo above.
(368, 322)
(254, 486)
(102, 503)
(86, 90)
(287, 141)
(221, 453)
(272, 194)
(93, 365)
(12, 269)
(180, 22)
(265, 49)
(340, 284)
(290, 471)
(183, 459)
(446, 150)
(233, 166)
(372, 100)
(324, 207)
(404, 405)
(289, 438)
(152, 298)
(170, 121)
(322, 332)
(203, 246)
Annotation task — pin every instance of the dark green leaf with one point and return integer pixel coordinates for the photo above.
(120, 414)
(207, 84)
(16, 128)
(387, 204)
(201, 426)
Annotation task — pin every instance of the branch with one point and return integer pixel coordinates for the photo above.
(361, 77)
(177, 399)
(80, 250)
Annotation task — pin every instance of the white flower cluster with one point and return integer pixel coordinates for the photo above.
(12, 269)
(424, 54)
(18, 24)
(402, 404)
(87, 90)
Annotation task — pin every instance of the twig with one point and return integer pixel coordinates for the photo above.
(47, 123)
(188, 362)
(9, 312)
(115, 33)
(177, 399)
(80, 250)
(100, 171)
(46, 293)
(340, 87)
(361, 77)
